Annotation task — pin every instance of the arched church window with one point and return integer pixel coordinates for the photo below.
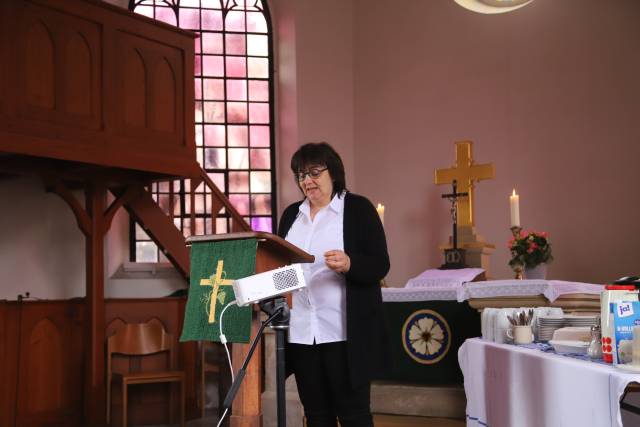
(234, 114)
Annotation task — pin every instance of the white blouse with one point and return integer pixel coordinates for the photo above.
(319, 310)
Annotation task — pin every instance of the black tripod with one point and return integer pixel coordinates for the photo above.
(278, 311)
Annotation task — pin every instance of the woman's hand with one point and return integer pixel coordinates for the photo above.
(337, 260)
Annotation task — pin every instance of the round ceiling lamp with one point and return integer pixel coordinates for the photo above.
(492, 6)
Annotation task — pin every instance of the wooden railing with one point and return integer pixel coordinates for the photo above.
(218, 202)
(159, 225)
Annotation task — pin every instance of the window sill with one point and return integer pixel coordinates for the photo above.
(146, 270)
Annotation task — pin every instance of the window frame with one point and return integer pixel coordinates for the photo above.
(183, 192)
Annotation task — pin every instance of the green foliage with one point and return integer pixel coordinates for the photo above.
(530, 249)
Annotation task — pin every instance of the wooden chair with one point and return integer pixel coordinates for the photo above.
(142, 339)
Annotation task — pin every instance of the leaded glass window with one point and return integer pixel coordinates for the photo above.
(234, 114)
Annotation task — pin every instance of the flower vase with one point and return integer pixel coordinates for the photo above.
(537, 272)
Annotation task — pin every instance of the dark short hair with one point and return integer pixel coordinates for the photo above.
(321, 154)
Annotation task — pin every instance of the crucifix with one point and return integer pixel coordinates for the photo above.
(463, 176)
(454, 257)
(215, 281)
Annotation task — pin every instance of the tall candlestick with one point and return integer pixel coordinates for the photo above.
(514, 203)
(380, 210)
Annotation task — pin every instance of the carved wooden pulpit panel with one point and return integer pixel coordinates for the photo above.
(94, 83)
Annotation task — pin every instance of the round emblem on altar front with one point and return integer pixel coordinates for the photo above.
(426, 336)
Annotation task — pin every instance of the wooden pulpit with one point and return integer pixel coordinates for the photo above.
(272, 252)
(95, 98)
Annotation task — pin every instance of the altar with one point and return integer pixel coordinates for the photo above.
(427, 321)
(425, 334)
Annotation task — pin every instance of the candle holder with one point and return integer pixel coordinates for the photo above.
(518, 268)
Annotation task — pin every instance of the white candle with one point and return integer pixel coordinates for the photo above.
(514, 203)
(380, 210)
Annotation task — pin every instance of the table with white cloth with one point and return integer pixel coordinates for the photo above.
(508, 386)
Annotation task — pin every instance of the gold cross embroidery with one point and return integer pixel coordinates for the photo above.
(215, 281)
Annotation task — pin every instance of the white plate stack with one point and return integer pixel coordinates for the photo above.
(584, 320)
(547, 326)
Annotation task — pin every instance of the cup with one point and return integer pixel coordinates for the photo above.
(521, 334)
(502, 325)
(635, 346)
(487, 323)
(484, 320)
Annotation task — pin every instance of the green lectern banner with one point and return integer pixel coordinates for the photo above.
(214, 267)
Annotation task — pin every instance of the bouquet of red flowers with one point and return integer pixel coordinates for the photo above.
(530, 248)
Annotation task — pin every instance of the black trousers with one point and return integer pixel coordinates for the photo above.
(324, 389)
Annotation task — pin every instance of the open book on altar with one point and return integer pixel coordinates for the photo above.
(434, 285)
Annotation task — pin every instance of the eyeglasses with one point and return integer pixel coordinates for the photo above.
(313, 173)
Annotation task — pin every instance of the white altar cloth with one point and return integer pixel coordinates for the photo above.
(423, 294)
(507, 385)
(433, 285)
(441, 290)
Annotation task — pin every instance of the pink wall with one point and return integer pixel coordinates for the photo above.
(314, 73)
(547, 93)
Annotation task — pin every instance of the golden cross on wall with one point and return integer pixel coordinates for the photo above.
(215, 281)
(465, 173)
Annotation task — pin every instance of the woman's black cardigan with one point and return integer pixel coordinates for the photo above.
(366, 246)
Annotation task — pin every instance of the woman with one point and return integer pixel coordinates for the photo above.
(336, 332)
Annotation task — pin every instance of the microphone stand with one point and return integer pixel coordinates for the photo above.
(279, 315)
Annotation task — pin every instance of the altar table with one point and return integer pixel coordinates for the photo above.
(446, 321)
(427, 321)
(509, 385)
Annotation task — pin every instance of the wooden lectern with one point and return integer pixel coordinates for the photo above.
(273, 252)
